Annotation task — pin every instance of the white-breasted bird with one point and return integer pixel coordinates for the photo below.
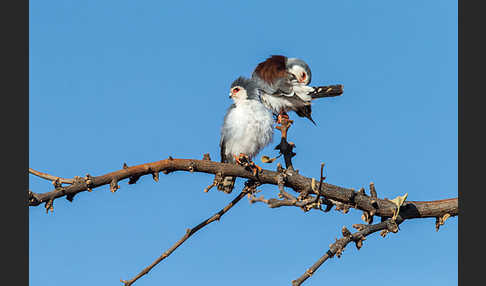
(247, 128)
(284, 84)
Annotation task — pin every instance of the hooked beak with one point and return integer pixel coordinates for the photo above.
(231, 95)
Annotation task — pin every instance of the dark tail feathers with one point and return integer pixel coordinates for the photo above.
(327, 91)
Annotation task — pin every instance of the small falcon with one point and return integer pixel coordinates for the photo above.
(283, 83)
(247, 128)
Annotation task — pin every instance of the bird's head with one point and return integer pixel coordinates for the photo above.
(243, 89)
(299, 71)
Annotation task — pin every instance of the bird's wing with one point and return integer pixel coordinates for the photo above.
(301, 107)
(224, 130)
(223, 151)
(272, 77)
(283, 87)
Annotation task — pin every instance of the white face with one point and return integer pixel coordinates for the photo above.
(237, 93)
(300, 74)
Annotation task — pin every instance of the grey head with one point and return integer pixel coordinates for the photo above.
(299, 70)
(243, 88)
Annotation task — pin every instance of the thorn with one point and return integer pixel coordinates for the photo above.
(49, 206)
(359, 226)
(89, 182)
(114, 185)
(191, 166)
(309, 272)
(57, 183)
(345, 232)
(155, 176)
(383, 233)
(373, 190)
(362, 192)
(125, 166)
(206, 157)
(170, 158)
(70, 197)
(367, 217)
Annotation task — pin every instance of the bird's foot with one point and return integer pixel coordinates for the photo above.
(245, 161)
(255, 168)
(282, 116)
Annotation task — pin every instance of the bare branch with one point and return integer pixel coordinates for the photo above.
(50, 177)
(338, 246)
(293, 180)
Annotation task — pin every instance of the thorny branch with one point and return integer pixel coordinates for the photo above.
(295, 181)
(312, 196)
(249, 187)
(348, 197)
(358, 237)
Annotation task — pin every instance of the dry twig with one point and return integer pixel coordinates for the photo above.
(338, 246)
(50, 177)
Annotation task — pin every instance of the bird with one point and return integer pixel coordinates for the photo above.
(248, 127)
(284, 85)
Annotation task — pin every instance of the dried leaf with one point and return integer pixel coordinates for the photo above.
(266, 159)
(398, 201)
(440, 221)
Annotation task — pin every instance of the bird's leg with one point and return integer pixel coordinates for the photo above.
(254, 168)
(285, 148)
(282, 116)
(237, 159)
(246, 162)
(284, 125)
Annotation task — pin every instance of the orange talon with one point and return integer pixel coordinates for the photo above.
(245, 161)
(256, 169)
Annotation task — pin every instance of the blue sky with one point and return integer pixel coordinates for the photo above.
(137, 81)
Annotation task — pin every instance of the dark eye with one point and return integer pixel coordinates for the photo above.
(236, 89)
(303, 75)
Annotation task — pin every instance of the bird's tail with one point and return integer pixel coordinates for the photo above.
(327, 91)
(227, 184)
(306, 111)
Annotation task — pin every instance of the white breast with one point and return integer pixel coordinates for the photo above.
(248, 128)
